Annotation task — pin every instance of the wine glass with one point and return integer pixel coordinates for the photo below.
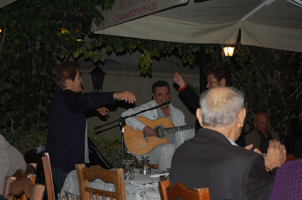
(145, 167)
(128, 170)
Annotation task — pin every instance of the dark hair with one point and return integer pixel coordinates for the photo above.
(159, 84)
(63, 71)
(220, 71)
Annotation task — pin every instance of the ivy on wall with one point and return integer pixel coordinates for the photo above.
(35, 35)
(272, 83)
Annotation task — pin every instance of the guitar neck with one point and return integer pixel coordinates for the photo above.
(179, 128)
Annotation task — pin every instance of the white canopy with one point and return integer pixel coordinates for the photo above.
(266, 23)
(5, 2)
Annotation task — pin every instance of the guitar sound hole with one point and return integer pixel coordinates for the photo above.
(160, 132)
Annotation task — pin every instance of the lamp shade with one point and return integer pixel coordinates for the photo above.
(97, 77)
(228, 51)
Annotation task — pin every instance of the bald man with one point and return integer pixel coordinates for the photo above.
(213, 160)
(261, 136)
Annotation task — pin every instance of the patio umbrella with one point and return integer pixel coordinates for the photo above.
(265, 23)
(6, 2)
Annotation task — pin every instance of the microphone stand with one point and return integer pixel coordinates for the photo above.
(122, 123)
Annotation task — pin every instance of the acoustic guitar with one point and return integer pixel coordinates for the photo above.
(139, 144)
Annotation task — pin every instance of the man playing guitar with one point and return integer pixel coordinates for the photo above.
(161, 154)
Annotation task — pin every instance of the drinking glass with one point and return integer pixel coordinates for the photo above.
(145, 167)
(128, 170)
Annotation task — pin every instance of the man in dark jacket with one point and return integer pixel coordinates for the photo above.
(67, 142)
(212, 159)
(217, 75)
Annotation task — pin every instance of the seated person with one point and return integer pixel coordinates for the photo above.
(260, 137)
(10, 161)
(293, 140)
(160, 155)
(213, 160)
(288, 181)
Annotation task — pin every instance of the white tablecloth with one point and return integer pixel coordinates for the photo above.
(142, 187)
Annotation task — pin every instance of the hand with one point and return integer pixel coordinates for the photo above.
(249, 147)
(129, 97)
(103, 111)
(179, 80)
(260, 153)
(149, 131)
(276, 155)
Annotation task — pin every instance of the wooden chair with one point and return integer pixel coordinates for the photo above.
(48, 177)
(28, 173)
(291, 157)
(31, 168)
(19, 174)
(22, 189)
(115, 176)
(179, 190)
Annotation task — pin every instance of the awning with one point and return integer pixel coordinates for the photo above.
(272, 24)
(6, 2)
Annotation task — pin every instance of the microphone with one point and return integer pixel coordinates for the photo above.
(122, 119)
(166, 103)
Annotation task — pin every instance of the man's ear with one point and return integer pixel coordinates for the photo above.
(199, 116)
(223, 82)
(67, 83)
(241, 117)
(153, 96)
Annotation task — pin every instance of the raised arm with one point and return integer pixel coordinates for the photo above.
(129, 97)
(190, 97)
(179, 80)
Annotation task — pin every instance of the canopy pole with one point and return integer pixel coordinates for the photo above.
(201, 68)
(267, 3)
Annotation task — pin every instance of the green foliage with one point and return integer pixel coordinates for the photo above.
(27, 141)
(150, 50)
(110, 149)
(271, 81)
(35, 35)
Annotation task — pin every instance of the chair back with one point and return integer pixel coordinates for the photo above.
(291, 157)
(19, 174)
(179, 190)
(22, 189)
(31, 168)
(115, 176)
(48, 177)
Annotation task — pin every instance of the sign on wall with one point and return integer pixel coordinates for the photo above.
(126, 10)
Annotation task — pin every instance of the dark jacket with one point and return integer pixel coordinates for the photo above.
(191, 98)
(230, 172)
(67, 125)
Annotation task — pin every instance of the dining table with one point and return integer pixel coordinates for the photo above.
(142, 187)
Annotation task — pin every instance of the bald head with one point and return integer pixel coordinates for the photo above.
(220, 106)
